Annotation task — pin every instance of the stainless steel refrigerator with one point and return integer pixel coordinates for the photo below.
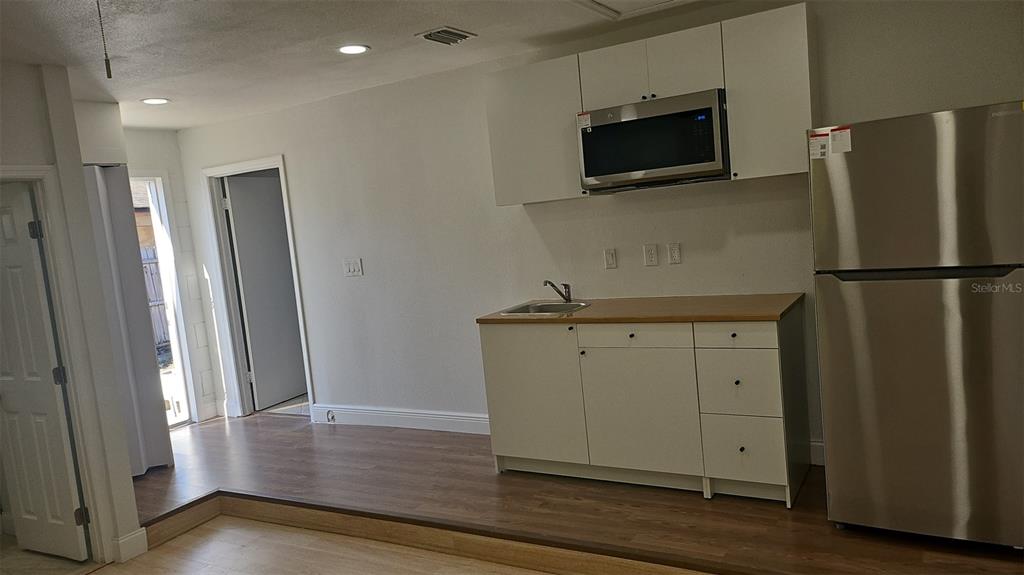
(918, 251)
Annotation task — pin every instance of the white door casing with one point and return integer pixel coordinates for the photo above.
(33, 429)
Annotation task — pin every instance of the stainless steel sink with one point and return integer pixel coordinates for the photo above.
(545, 308)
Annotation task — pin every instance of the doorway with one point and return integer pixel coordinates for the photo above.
(153, 229)
(42, 493)
(262, 289)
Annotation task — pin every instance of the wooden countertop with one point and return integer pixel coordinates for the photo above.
(671, 309)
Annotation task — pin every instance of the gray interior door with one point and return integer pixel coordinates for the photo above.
(922, 399)
(266, 286)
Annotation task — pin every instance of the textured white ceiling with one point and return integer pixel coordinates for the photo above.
(221, 59)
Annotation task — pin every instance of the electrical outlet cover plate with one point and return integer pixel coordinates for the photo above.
(611, 259)
(353, 267)
(650, 254)
(675, 253)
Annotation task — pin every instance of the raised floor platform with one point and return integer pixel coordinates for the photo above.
(448, 481)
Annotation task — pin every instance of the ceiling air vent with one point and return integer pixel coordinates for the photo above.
(447, 35)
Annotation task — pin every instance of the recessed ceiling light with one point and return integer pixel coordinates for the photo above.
(156, 101)
(353, 49)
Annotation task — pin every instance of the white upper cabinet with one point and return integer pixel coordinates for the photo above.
(686, 61)
(768, 90)
(678, 63)
(614, 76)
(762, 60)
(531, 116)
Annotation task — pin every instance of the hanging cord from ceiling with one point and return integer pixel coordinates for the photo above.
(103, 36)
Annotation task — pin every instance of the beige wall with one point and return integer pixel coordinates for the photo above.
(400, 176)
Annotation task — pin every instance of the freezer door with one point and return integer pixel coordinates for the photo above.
(922, 191)
(922, 404)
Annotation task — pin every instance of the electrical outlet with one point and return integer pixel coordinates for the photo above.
(353, 266)
(611, 259)
(675, 253)
(650, 254)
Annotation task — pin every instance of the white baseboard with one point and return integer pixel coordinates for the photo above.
(131, 545)
(818, 452)
(398, 417)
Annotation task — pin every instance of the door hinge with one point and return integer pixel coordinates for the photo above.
(35, 229)
(250, 377)
(60, 375)
(82, 516)
(225, 202)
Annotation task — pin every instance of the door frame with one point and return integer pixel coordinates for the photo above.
(158, 206)
(225, 302)
(95, 458)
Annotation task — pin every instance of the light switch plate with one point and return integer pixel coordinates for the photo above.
(650, 254)
(611, 259)
(675, 253)
(353, 266)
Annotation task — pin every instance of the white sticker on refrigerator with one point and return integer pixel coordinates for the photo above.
(582, 120)
(817, 146)
(840, 141)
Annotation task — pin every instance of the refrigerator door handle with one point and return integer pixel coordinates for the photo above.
(924, 274)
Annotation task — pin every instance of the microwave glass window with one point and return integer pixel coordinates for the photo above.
(680, 139)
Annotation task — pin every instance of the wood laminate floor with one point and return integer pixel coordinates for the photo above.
(16, 561)
(448, 479)
(234, 546)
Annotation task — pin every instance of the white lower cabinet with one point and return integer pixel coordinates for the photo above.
(641, 409)
(534, 393)
(712, 406)
(744, 448)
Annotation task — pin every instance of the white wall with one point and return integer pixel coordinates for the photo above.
(100, 134)
(23, 118)
(155, 153)
(400, 175)
(37, 128)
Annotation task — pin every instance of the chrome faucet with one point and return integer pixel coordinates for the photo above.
(565, 293)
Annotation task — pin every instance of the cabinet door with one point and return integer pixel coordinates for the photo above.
(642, 409)
(531, 115)
(686, 61)
(767, 85)
(534, 394)
(614, 76)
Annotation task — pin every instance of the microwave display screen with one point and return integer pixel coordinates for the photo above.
(679, 139)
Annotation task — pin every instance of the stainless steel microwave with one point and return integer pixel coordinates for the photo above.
(658, 142)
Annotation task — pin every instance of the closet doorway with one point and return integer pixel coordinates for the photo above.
(262, 288)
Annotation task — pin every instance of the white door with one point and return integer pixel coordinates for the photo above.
(264, 272)
(531, 117)
(686, 61)
(37, 458)
(768, 86)
(614, 76)
(534, 393)
(642, 410)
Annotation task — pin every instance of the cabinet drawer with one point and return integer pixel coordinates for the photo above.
(744, 448)
(636, 335)
(736, 334)
(739, 381)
